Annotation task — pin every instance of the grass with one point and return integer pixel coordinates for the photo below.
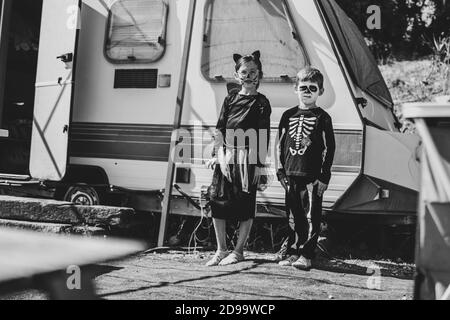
(412, 81)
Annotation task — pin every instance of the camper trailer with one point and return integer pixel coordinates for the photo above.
(89, 94)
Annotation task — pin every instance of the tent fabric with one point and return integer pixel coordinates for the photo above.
(358, 58)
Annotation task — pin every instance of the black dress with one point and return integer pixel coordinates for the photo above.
(233, 196)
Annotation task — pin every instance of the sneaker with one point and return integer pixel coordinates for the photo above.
(302, 263)
(279, 256)
(288, 261)
(218, 257)
(282, 254)
(232, 258)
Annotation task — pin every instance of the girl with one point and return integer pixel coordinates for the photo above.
(238, 171)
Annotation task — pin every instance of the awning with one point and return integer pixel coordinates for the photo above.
(358, 59)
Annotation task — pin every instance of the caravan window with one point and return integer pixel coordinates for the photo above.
(244, 26)
(136, 31)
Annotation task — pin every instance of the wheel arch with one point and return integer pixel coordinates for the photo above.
(85, 174)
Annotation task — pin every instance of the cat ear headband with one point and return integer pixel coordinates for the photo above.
(256, 55)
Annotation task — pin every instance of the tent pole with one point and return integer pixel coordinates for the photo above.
(177, 124)
(5, 18)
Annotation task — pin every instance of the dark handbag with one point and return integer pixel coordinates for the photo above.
(216, 189)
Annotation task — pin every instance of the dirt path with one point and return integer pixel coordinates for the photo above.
(181, 276)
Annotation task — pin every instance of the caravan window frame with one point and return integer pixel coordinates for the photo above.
(162, 40)
(282, 78)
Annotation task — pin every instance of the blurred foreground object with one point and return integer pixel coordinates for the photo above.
(432, 121)
(55, 264)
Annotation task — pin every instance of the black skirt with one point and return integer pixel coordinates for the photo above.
(227, 199)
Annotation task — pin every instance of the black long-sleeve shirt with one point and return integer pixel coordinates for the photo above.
(307, 144)
(245, 112)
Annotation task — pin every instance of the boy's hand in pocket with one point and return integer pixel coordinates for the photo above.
(321, 187)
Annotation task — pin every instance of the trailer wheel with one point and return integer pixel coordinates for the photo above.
(82, 195)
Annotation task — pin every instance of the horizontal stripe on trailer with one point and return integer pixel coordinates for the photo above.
(120, 150)
(152, 143)
(163, 127)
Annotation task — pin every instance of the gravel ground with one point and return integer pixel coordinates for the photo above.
(181, 276)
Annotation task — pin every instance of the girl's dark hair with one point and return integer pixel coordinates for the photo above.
(255, 57)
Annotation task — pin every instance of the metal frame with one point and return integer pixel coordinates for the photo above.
(345, 73)
(177, 123)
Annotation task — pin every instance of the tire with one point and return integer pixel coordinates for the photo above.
(82, 195)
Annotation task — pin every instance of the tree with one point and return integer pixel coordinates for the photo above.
(407, 25)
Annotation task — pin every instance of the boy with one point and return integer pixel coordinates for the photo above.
(306, 148)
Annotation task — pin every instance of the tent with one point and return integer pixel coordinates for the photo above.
(357, 56)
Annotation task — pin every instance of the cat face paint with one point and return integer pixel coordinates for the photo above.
(248, 75)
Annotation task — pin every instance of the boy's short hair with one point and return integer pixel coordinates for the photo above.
(310, 74)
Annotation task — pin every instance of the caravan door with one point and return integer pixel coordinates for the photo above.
(54, 86)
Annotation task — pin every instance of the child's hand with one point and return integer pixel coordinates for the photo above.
(210, 164)
(321, 187)
(285, 183)
(262, 187)
(281, 175)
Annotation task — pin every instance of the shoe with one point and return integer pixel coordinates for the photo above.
(232, 258)
(281, 255)
(302, 263)
(218, 257)
(288, 261)
(174, 241)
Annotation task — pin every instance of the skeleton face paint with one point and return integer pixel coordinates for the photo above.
(248, 75)
(308, 92)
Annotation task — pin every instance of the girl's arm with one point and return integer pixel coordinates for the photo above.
(219, 134)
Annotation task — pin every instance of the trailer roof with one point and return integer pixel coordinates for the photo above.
(360, 62)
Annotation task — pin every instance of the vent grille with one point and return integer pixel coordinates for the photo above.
(136, 79)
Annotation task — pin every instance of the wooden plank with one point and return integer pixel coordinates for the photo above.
(57, 228)
(44, 210)
(26, 254)
(36, 226)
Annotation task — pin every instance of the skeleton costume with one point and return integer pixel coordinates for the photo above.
(306, 150)
(235, 179)
(307, 143)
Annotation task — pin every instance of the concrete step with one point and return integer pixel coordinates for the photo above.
(53, 228)
(63, 213)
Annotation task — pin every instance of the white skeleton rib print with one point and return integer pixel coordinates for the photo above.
(300, 129)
